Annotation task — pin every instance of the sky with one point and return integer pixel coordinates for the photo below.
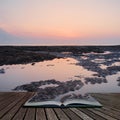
(83, 22)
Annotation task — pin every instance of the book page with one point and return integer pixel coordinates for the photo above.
(83, 101)
(43, 103)
(53, 92)
(36, 100)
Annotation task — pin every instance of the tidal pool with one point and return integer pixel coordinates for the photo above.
(63, 69)
(59, 69)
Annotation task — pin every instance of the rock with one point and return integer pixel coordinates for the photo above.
(50, 92)
(2, 70)
(33, 63)
(119, 84)
(118, 79)
(95, 80)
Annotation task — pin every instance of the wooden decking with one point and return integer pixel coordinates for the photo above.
(11, 109)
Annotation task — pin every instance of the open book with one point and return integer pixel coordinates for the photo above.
(84, 102)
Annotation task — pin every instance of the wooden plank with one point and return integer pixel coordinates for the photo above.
(11, 104)
(5, 111)
(106, 104)
(40, 114)
(71, 114)
(30, 115)
(61, 115)
(20, 114)
(91, 114)
(50, 114)
(4, 96)
(11, 108)
(109, 99)
(81, 114)
(14, 107)
(109, 112)
(4, 93)
(114, 109)
(102, 114)
(9, 100)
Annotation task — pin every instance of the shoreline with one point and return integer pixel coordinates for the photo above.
(90, 58)
(28, 54)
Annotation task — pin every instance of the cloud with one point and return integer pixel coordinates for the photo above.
(7, 38)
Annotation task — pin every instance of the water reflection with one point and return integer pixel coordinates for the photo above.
(110, 87)
(96, 72)
(58, 69)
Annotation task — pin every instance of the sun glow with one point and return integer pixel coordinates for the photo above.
(61, 19)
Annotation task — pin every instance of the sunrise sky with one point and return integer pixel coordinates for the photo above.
(83, 22)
